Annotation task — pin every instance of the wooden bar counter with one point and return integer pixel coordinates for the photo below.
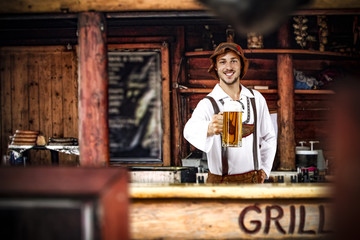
(266, 211)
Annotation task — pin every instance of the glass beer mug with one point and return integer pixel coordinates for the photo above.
(232, 130)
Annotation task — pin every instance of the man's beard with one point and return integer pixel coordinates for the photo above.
(230, 83)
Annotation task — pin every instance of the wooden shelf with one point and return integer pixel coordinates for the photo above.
(264, 91)
(276, 51)
(196, 90)
(300, 91)
(208, 90)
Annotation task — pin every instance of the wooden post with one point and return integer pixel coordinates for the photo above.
(93, 90)
(165, 73)
(286, 110)
(178, 71)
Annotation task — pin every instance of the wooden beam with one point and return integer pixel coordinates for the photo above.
(177, 74)
(65, 6)
(286, 110)
(332, 11)
(333, 4)
(93, 91)
(165, 73)
(52, 6)
(248, 53)
(208, 90)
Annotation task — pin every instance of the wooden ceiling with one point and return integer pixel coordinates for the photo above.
(52, 22)
(71, 6)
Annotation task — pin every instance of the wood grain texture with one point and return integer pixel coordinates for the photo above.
(165, 72)
(45, 102)
(267, 211)
(229, 220)
(115, 208)
(177, 74)
(19, 89)
(6, 117)
(93, 85)
(32, 99)
(103, 192)
(286, 113)
(34, 109)
(57, 6)
(230, 191)
(70, 101)
(37, 6)
(57, 93)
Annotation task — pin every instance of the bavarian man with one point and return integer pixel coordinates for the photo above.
(253, 161)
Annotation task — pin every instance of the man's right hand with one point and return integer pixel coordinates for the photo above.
(216, 125)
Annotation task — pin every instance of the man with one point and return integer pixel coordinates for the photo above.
(253, 161)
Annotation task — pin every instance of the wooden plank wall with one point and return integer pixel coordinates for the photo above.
(39, 91)
(312, 111)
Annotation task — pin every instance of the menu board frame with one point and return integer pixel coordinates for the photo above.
(163, 49)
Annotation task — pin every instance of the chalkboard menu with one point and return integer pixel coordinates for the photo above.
(135, 115)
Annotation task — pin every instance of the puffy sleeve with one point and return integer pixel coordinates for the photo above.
(267, 137)
(195, 130)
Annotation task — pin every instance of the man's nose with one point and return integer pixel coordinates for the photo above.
(228, 65)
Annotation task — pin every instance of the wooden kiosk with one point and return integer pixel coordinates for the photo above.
(55, 79)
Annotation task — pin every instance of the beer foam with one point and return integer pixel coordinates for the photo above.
(232, 106)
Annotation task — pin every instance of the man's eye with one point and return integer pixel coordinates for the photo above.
(234, 61)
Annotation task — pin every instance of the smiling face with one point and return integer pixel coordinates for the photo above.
(228, 68)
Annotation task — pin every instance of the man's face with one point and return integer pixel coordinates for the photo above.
(228, 67)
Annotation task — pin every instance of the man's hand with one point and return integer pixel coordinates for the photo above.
(263, 176)
(216, 125)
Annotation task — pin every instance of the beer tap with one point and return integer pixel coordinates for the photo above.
(312, 144)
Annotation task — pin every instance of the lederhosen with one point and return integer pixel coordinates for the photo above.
(248, 177)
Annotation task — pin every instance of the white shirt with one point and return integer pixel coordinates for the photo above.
(240, 159)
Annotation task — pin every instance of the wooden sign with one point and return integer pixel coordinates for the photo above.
(226, 216)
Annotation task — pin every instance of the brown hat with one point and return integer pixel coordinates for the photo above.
(221, 49)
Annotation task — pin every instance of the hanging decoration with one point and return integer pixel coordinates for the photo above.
(323, 32)
(300, 30)
(255, 40)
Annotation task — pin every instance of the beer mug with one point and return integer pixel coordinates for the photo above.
(232, 130)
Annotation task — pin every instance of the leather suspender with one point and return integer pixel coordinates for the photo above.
(224, 158)
(214, 104)
(255, 152)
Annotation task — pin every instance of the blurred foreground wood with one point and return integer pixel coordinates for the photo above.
(63, 203)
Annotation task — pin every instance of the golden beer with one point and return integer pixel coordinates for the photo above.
(232, 128)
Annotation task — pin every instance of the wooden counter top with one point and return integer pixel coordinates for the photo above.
(244, 191)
